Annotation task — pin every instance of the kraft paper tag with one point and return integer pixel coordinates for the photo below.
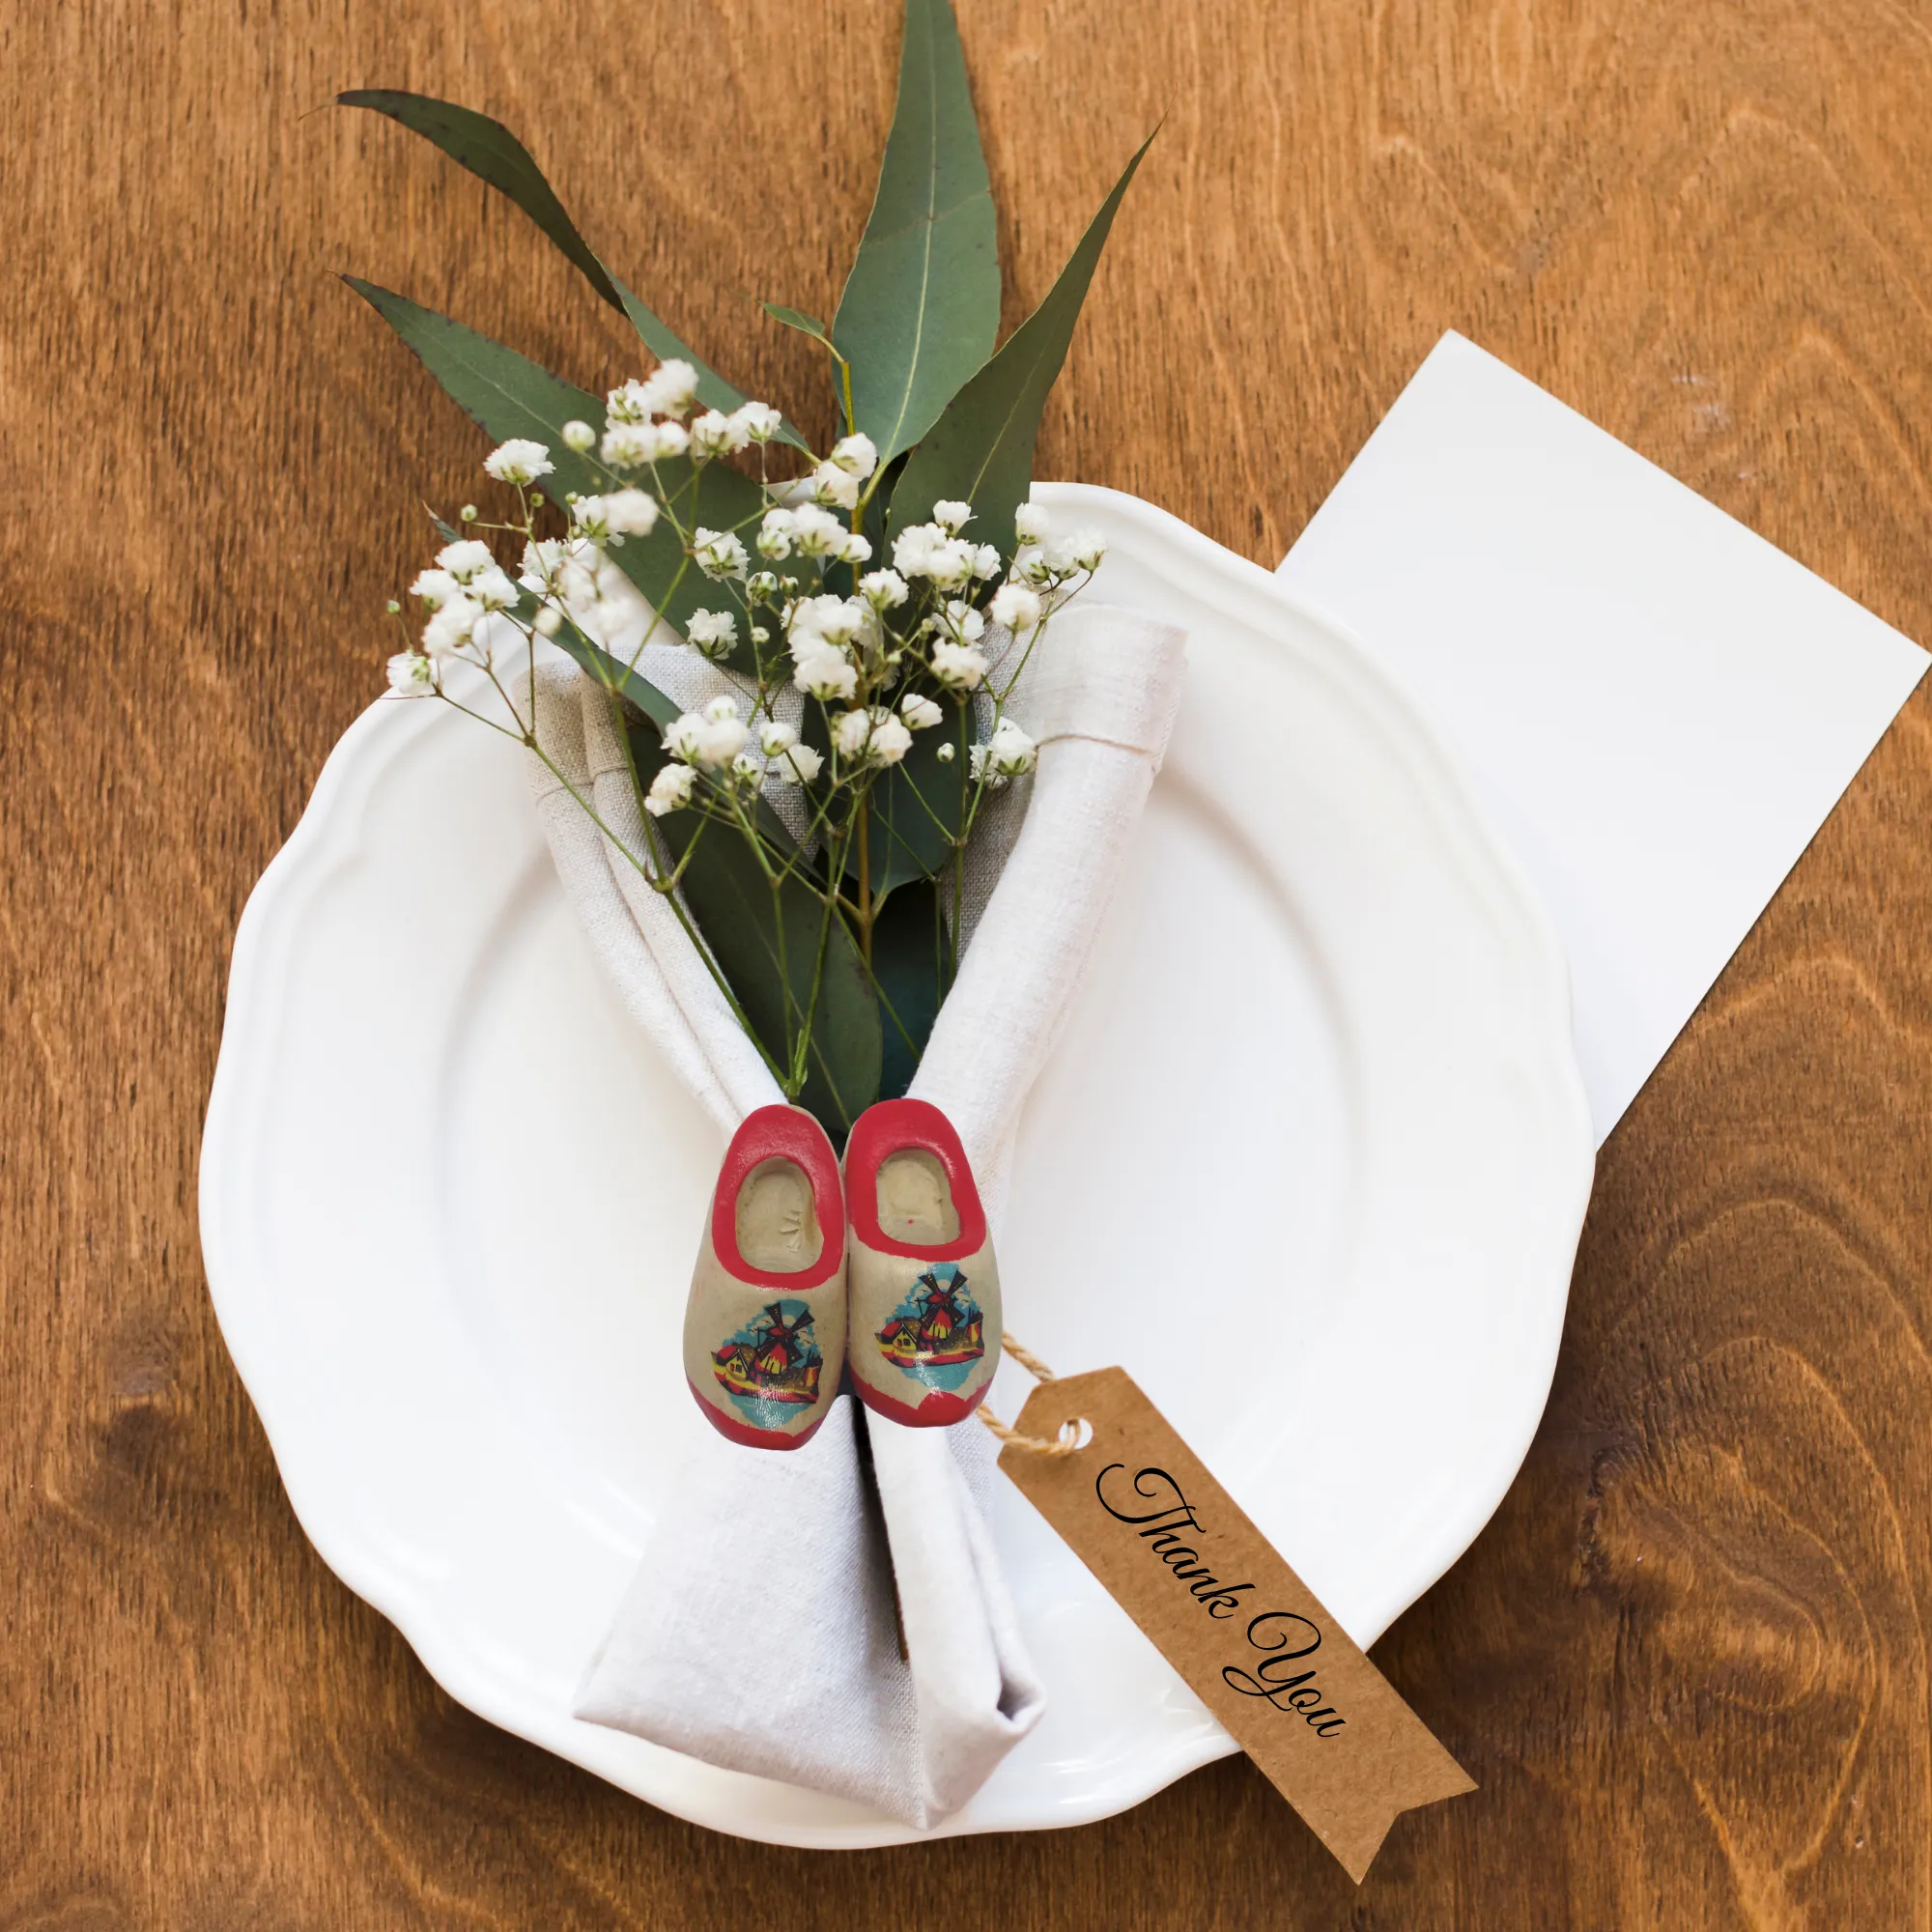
(1166, 1541)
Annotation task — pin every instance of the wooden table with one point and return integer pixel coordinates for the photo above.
(1687, 1659)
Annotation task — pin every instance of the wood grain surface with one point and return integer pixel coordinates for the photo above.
(1687, 1659)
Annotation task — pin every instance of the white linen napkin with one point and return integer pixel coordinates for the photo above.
(774, 1651)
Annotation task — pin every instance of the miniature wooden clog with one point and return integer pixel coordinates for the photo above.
(764, 1330)
(922, 1291)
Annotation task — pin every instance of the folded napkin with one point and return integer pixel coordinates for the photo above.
(777, 1651)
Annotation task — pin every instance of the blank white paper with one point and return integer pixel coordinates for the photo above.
(1659, 708)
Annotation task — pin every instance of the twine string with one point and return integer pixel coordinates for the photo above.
(1037, 1445)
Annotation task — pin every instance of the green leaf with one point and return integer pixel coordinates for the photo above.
(981, 449)
(494, 155)
(912, 965)
(506, 394)
(796, 318)
(742, 919)
(921, 310)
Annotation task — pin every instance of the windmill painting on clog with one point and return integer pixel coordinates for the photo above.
(924, 1287)
(764, 1330)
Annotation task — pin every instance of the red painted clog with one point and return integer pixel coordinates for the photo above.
(764, 1330)
(924, 1290)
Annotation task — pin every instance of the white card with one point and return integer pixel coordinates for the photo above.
(1659, 708)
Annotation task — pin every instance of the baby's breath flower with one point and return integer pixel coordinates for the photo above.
(549, 621)
(815, 531)
(1031, 523)
(761, 587)
(542, 564)
(630, 513)
(1088, 548)
(759, 422)
(464, 559)
(434, 587)
(744, 768)
(774, 535)
(775, 737)
(860, 737)
(673, 438)
(957, 666)
(715, 434)
(630, 446)
(448, 630)
(986, 560)
(467, 514)
(825, 675)
(669, 789)
(587, 514)
(627, 403)
(943, 754)
(921, 713)
(952, 516)
(576, 572)
(883, 589)
(891, 741)
(1016, 606)
(849, 731)
(578, 435)
(411, 673)
(823, 623)
(797, 765)
(492, 590)
(518, 460)
(719, 554)
(855, 550)
(1010, 753)
(835, 486)
(858, 455)
(670, 388)
(962, 621)
(713, 736)
(926, 550)
(1031, 566)
(713, 633)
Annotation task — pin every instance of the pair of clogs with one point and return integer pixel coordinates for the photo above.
(806, 1276)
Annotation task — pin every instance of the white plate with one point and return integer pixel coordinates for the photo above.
(1311, 1162)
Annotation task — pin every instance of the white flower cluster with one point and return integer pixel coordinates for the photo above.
(464, 587)
(810, 530)
(836, 481)
(846, 644)
(715, 742)
(644, 422)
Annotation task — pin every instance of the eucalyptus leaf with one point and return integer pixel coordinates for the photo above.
(767, 945)
(981, 449)
(912, 967)
(806, 324)
(490, 151)
(921, 310)
(508, 395)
